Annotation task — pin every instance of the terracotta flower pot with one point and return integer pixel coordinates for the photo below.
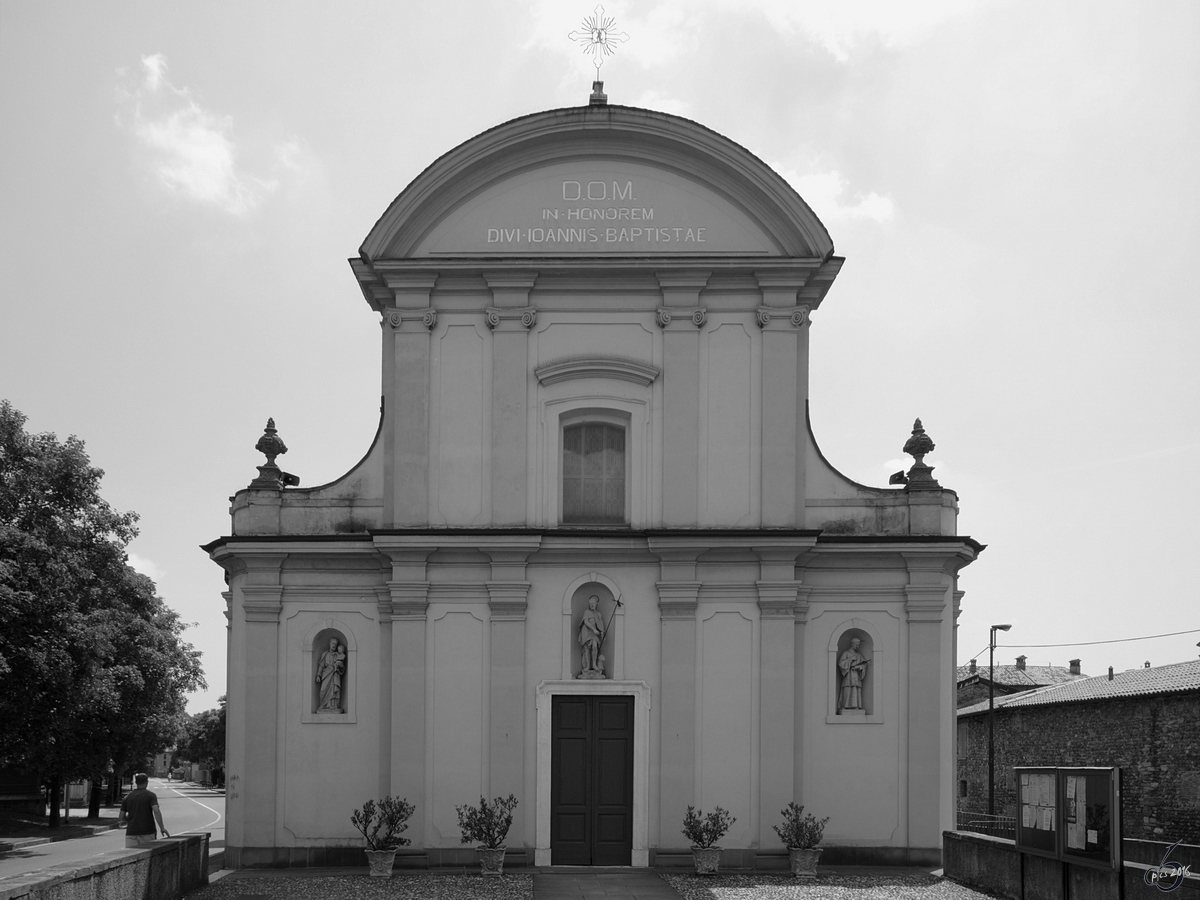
(707, 859)
(491, 860)
(380, 862)
(804, 861)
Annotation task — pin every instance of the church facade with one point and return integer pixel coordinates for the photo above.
(594, 557)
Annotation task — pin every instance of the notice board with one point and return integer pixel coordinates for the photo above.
(1037, 810)
(1070, 813)
(1091, 829)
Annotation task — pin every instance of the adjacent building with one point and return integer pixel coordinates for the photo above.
(1147, 721)
(976, 682)
(594, 557)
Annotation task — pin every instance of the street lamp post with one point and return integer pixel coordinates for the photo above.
(992, 717)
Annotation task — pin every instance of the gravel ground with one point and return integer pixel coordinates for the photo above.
(825, 887)
(363, 887)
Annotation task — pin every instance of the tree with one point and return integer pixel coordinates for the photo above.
(203, 737)
(92, 665)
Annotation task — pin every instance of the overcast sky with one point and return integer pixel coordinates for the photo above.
(1014, 186)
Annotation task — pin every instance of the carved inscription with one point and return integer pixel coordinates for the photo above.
(599, 213)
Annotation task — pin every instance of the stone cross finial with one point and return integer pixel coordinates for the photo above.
(920, 476)
(270, 476)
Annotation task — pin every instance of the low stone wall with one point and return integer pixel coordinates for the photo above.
(165, 870)
(994, 865)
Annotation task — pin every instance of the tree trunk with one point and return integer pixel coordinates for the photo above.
(54, 792)
(94, 799)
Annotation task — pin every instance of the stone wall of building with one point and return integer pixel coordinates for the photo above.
(1155, 741)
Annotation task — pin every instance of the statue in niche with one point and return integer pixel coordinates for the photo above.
(853, 667)
(330, 669)
(591, 639)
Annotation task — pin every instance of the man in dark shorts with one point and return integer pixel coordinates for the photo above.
(139, 813)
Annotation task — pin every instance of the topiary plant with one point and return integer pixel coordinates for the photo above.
(800, 831)
(382, 823)
(488, 823)
(704, 831)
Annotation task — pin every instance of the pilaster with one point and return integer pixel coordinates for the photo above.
(677, 603)
(260, 593)
(406, 348)
(800, 625)
(510, 319)
(405, 603)
(681, 317)
(508, 593)
(777, 702)
(929, 703)
(781, 320)
(383, 607)
(777, 592)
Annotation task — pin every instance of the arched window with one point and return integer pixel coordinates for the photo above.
(593, 474)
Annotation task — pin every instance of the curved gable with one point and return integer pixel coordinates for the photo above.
(598, 180)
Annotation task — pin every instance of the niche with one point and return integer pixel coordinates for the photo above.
(606, 608)
(854, 674)
(330, 679)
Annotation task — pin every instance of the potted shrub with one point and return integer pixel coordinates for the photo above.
(801, 833)
(486, 825)
(704, 831)
(381, 825)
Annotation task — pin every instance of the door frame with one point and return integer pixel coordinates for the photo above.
(640, 691)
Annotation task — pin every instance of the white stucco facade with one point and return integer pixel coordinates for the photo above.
(599, 266)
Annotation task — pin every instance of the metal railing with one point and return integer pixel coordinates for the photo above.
(982, 823)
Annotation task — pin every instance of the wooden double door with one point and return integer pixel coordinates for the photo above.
(591, 781)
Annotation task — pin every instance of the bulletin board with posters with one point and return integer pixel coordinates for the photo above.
(1037, 810)
(1091, 816)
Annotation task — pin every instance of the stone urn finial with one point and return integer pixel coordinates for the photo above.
(920, 476)
(270, 476)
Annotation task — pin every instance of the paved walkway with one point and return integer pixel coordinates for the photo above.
(592, 883)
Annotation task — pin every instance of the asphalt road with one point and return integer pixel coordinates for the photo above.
(186, 809)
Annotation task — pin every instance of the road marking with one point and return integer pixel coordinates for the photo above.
(198, 803)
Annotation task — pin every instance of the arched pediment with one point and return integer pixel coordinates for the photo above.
(605, 180)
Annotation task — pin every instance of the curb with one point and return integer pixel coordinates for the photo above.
(21, 843)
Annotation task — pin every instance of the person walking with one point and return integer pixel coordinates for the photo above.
(140, 813)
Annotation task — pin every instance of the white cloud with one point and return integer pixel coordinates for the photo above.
(826, 193)
(839, 27)
(191, 149)
(147, 567)
(662, 103)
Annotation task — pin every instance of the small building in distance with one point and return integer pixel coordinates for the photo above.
(973, 679)
(1147, 721)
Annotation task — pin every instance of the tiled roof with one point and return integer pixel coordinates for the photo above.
(1030, 676)
(1173, 679)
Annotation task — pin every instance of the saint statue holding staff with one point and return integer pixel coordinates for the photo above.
(853, 666)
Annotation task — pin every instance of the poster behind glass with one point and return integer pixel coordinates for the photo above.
(1091, 815)
(1037, 810)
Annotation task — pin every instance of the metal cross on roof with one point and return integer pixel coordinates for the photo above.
(597, 37)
